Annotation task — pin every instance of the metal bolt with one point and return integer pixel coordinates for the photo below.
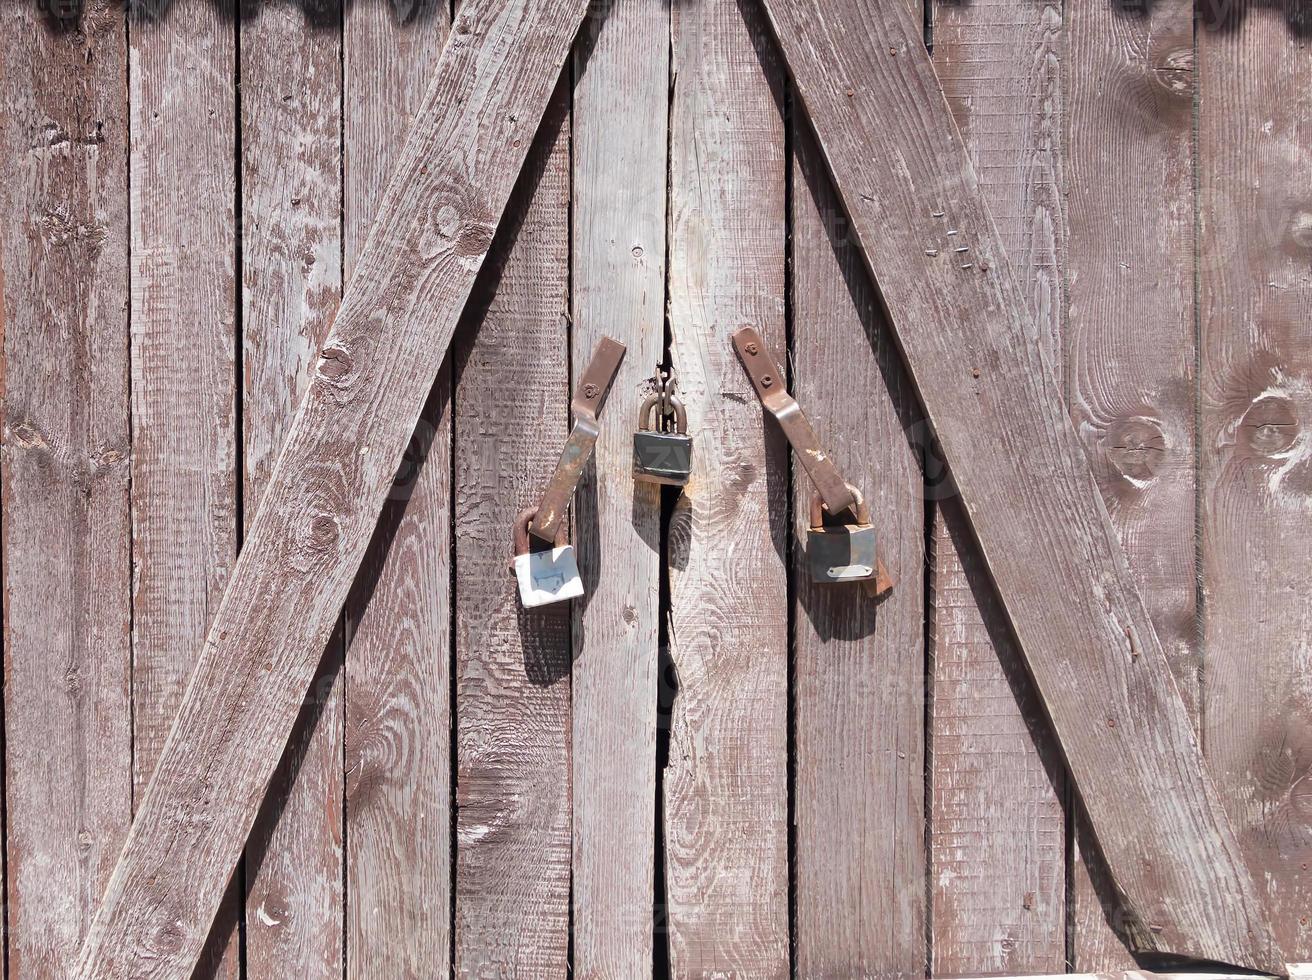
(766, 381)
(753, 349)
(589, 391)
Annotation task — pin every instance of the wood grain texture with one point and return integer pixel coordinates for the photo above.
(1254, 167)
(435, 223)
(513, 664)
(291, 285)
(725, 788)
(859, 668)
(1130, 331)
(621, 90)
(64, 463)
(182, 81)
(996, 407)
(997, 820)
(398, 720)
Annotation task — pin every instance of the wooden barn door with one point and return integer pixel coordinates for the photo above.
(710, 766)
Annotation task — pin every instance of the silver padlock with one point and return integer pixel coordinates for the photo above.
(841, 551)
(548, 575)
(661, 456)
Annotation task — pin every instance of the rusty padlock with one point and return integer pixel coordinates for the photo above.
(548, 574)
(660, 455)
(838, 550)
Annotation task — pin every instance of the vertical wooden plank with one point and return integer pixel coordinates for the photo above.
(998, 826)
(860, 666)
(1255, 166)
(291, 285)
(726, 781)
(183, 252)
(64, 378)
(513, 847)
(398, 734)
(1130, 327)
(621, 94)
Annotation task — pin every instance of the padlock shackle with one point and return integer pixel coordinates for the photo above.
(653, 403)
(521, 542)
(860, 511)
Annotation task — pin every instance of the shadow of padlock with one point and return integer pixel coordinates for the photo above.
(547, 575)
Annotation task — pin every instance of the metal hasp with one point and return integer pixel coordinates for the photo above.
(769, 383)
(836, 496)
(586, 407)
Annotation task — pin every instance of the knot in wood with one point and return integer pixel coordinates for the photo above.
(27, 436)
(456, 224)
(334, 363)
(1300, 229)
(1136, 447)
(324, 531)
(1269, 427)
(167, 939)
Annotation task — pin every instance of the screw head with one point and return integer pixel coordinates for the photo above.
(767, 380)
(589, 391)
(753, 349)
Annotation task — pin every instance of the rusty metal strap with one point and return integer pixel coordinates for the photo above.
(769, 383)
(589, 396)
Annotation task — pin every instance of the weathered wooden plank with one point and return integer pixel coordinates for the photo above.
(725, 788)
(1130, 332)
(621, 91)
(991, 394)
(291, 284)
(182, 86)
(997, 821)
(1254, 167)
(398, 720)
(434, 225)
(67, 526)
(859, 732)
(513, 664)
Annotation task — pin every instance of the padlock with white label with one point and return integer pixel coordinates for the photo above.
(841, 550)
(548, 574)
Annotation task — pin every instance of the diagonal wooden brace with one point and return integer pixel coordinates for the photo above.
(961, 321)
(433, 229)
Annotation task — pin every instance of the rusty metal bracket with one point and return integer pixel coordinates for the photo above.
(771, 387)
(586, 408)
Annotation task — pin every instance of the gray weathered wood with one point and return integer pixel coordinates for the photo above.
(435, 223)
(725, 784)
(972, 350)
(1130, 333)
(398, 720)
(859, 799)
(181, 77)
(1255, 305)
(512, 664)
(64, 463)
(291, 285)
(621, 91)
(997, 821)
